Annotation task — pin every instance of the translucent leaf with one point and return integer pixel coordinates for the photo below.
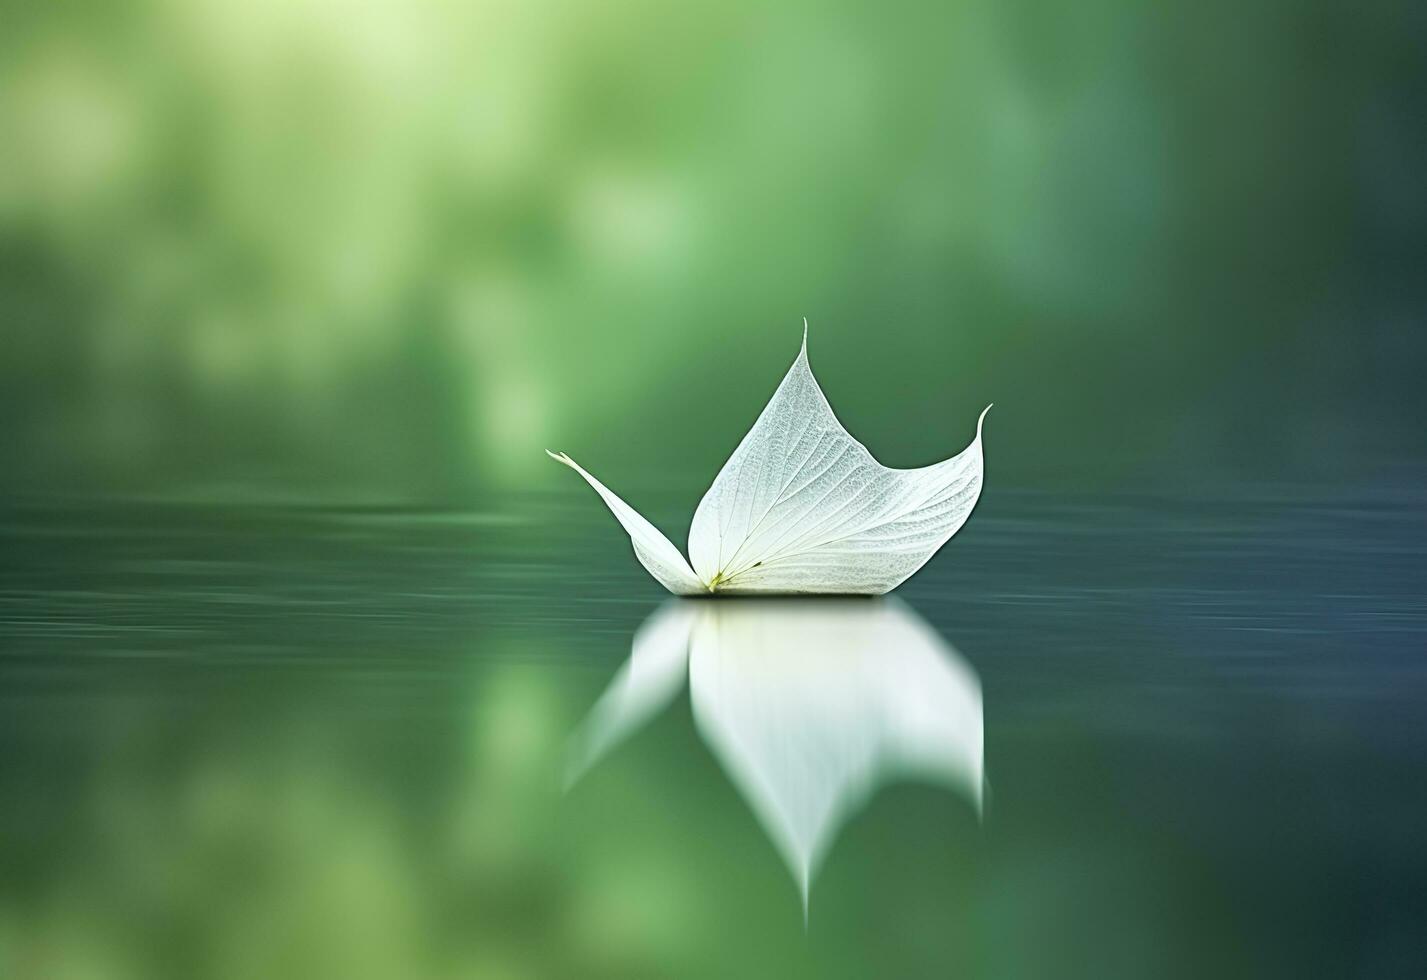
(654, 551)
(802, 507)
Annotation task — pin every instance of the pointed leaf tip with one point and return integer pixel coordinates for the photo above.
(982, 418)
(805, 334)
(651, 547)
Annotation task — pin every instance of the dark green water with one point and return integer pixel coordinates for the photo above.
(242, 742)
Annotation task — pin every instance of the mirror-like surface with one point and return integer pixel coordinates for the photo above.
(242, 742)
(809, 705)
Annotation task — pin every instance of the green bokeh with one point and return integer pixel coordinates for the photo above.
(390, 251)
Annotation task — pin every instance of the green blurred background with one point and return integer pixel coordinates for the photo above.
(384, 253)
(389, 251)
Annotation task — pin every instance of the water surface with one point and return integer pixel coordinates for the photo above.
(1122, 736)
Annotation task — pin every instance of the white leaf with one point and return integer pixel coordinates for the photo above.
(802, 507)
(808, 707)
(654, 551)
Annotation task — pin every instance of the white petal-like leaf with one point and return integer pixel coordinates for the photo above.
(803, 507)
(654, 551)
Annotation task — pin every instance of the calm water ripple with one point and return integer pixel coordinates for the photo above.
(229, 729)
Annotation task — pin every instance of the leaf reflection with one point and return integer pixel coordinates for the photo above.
(809, 706)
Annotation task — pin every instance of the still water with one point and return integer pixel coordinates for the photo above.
(1119, 736)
